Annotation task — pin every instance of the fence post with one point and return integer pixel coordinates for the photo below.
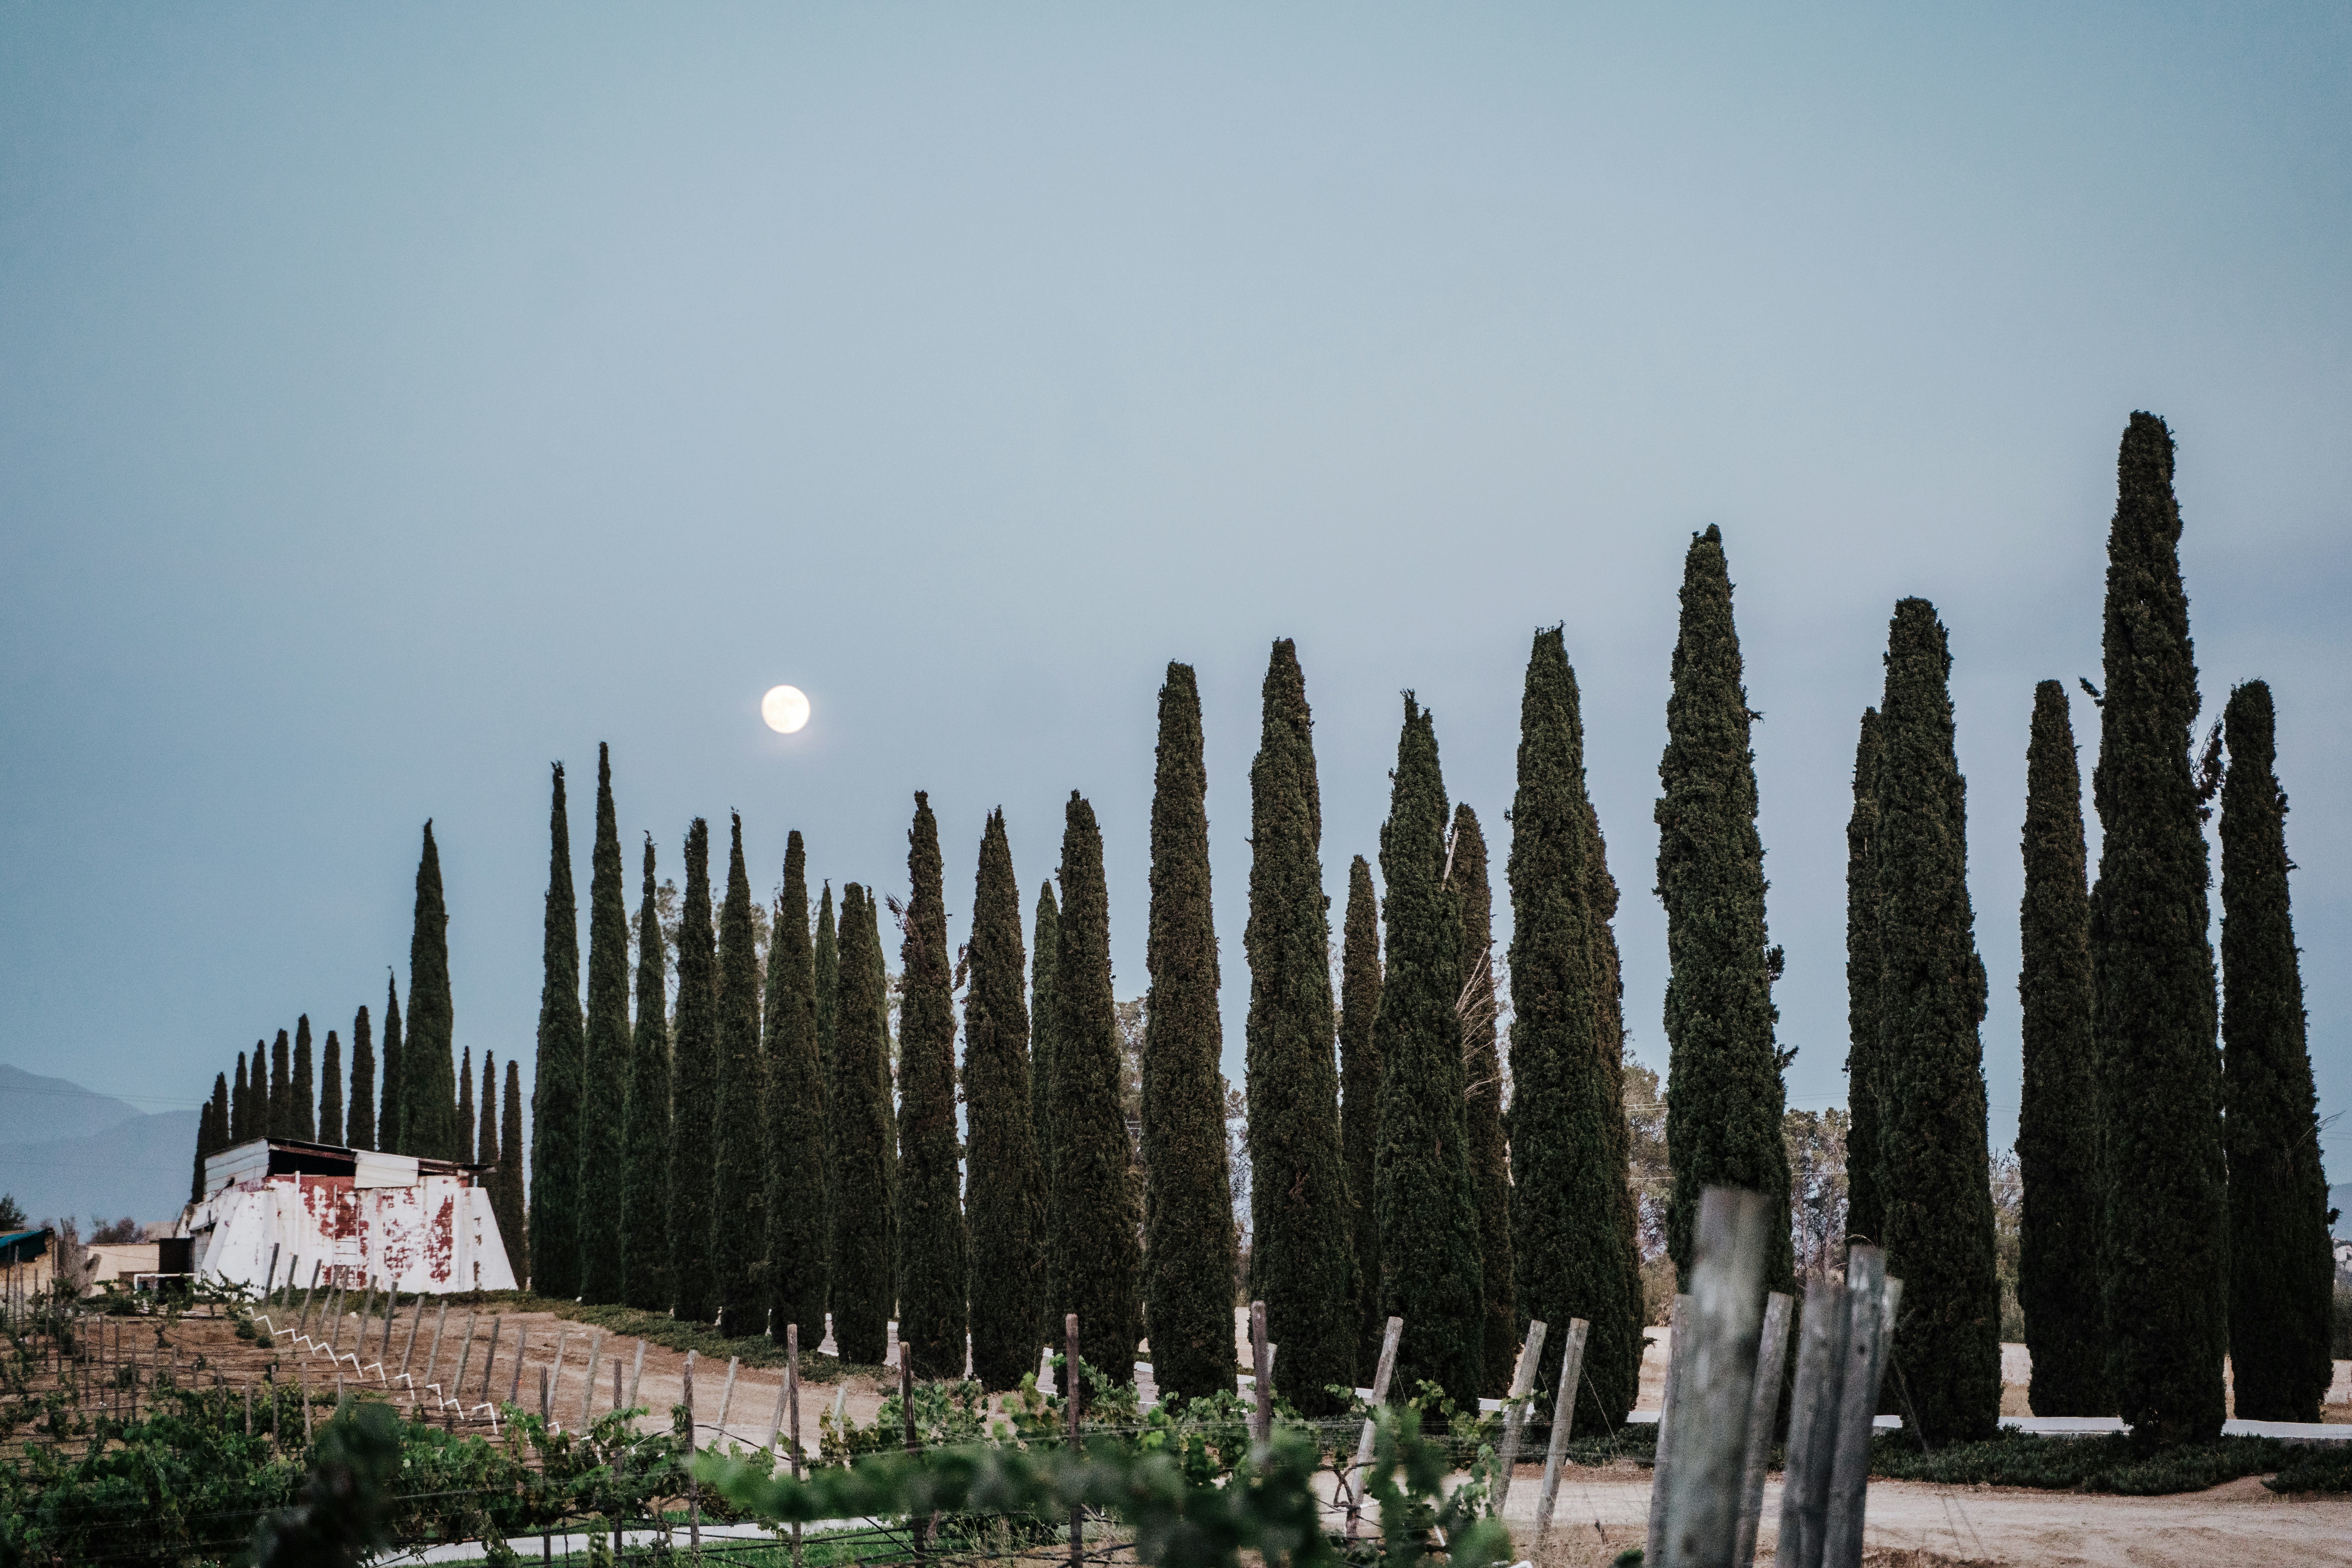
(1563, 1416)
(1812, 1425)
(1857, 1404)
(1708, 1444)
(464, 1356)
(408, 1350)
(489, 1359)
(1675, 1362)
(637, 1373)
(1522, 1381)
(1071, 1399)
(588, 1389)
(317, 1265)
(792, 1403)
(1261, 1378)
(522, 1351)
(1763, 1418)
(726, 1395)
(1364, 1439)
(432, 1357)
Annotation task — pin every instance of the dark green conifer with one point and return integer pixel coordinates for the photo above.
(281, 1089)
(466, 1124)
(1931, 999)
(1045, 947)
(1359, 1094)
(220, 1113)
(694, 1094)
(1429, 1273)
(1482, 1066)
(1574, 1246)
(863, 1288)
(359, 1126)
(738, 1219)
(240, 1114)
(1188, 1240)
(1865, 1178)
(1002, 1193)
(885, 1089)
(212, 1124)
(1724, 1093)
(1302, 1263)
(828, 999)
(2165, 1254)
(330, 1092)
(1091, 1244)
(300, 1100)
(645, 1189)
(390, 1136)
(605, 1068)
(2281, 1265)
(798, 1260)
(555, 1079)
(486, 1151)
(505, 1193)
(428, 1056)
(932, 1261)
(2058, 1113)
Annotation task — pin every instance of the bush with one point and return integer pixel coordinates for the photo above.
(2110, 1464)
(2314, 1469)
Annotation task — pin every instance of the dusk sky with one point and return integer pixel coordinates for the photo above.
(396, 400)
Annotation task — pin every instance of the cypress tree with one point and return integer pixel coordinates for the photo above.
(828, 999)
(1045, 947)
(797, 1255)
(486, 1149)
(1430, 1272)
(694, 1094)
(506, 1194)
(645, 1172)
(220, 1113)
(204, 1149)
(606, 1050)
(1091, 1246)
(1865, 1179)
(390, 1135)
(1301, 1263)
(2282, 1265)
(281, 1090)
(2057, 1118)
(466, 1125)
(1188, 1243)
(555, 1078)
(932, 1315)
(428, 1059)
(330, 1092)
(359, 1128)
(1359, 1095)
(1002, 1193)
(300, 1100)
(739, 1218)
(1482, 1066)
(1724, 1094)
(1931, 1000)
(1573, 1242)
(240, 1112)
(885, 1090)
(2164, 1258)
(863, 1288)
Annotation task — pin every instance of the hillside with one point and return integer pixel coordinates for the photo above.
(66, 1150)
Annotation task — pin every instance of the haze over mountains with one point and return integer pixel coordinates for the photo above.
(67, 1150)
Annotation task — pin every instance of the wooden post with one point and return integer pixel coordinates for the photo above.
(489, 1359)
(1709, 1443)
(1857, 1403)
(555, 1371)
(367, 1312)
(432, 1357)
(523, 1349)
(693, 1490)
(546, 1395)
(269, 1280)
(458, 1383)
(1364, 1439)
(1070, 1399)
(1563, 1414)
(384, 1341)
(1674, 1364)
(1763, 1418)
(1812, 1425)
(636, 1374)
(408, 1352)
(1261, 1379)
(302, 1326)
(776, 1421)
(1516, 1416)
(726, 1395)
(588, 1387)
(792, 1401)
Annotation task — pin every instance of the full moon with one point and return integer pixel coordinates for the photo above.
(786, 708)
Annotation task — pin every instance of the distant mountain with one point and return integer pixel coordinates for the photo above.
(69, 1152)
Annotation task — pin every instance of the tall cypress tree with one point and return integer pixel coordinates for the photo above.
(302, 1108)
(797, 1253)
(1091, 1249)
(1573, 1219)
(240, 1110)
(1044, 948)
(1931, 1000)
(739, 1220)
(390, 1135)
(330, 1092)
(1188, 1243)
(281, 1089)
(486, 1149)
(428, 1058)
(2058, 1112)
(828, 1000)
(605, 1051)
(1003, 1192)
(886, 1089)
(643, 1214)
(1482, 1066)
(932, 1307)
(220, 1113)
(1429, 1273)
(359, 1127)
(2164, 1260)
(694, 1094)
(204, 1151)
(1865, 1179)
(1301, 1263)
(506, 1195)
(863, 1287)
(466, 1124)
(2282, 1265)
(1359, 1094)
(1724, 1094)
(555, 1079)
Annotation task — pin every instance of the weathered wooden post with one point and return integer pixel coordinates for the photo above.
(432, 1357)
(522, 1351)
(588, 1388)
(792, 1404)
(1871, 1298)
(408, 1352)
(458, 1383)
(489, 1359)
(555, 1370)
(1763, 1419)
(1676, 1323)
(726, 1395)
(1072, 1399)
(1812, 1425)
(1364, 1438)
(302, 1324)
(1523, 1379)
(637, 1373)
(1707, 1444)
(1563, 1414)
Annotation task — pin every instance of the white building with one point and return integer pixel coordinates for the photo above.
(354, 1217)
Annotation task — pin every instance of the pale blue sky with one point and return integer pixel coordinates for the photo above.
(393, 400)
